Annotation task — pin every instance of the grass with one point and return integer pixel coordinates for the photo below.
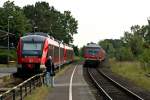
(132, 71)
(39, 93)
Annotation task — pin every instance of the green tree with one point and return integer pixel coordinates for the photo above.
(147, 33)
(127, 37)
(18, 24)
(76, 50)
(108, 45)
(81, 51)
(61, 26)
(134, 40)
(124, 54)
(145, 56)
(136, 45)
(145, 59)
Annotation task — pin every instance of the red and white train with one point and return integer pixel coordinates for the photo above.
(34, 48)
(93, 54)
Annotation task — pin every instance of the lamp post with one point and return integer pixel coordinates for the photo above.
(9, 17)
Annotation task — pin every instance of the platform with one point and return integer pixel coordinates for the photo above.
(64, 89)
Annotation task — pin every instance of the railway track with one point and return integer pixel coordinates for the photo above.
(109, 89)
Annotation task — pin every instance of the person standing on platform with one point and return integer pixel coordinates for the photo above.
(50, 73)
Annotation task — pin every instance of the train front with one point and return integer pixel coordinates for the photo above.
(93, 54)
(32, 51)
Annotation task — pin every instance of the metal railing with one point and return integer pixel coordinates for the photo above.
(24, 88)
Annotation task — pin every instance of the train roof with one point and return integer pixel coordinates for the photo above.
(38, 33)
(68, 47)
(93, 45)
(40, 36)
(33, 38)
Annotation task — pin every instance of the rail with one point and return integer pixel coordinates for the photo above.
(104, 93)
(122, 87)
(24, 88)
(109, 88)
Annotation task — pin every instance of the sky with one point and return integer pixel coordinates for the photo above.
(99, 19)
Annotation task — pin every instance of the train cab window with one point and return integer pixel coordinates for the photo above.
(93, 51)
(32, 49)
(32, 46)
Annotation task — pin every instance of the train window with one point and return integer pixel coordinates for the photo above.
(61, 54)
(92, 51)
(56, 50)
(50, 51)
(69, 54)
(32, 46)
(32, 49)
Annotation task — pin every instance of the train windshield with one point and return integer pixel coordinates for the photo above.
(32, 49)
(32, 46)
(92, 51)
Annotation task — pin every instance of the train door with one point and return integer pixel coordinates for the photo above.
(51, 51)
(65, 55)
(62, 55)
(56, 55)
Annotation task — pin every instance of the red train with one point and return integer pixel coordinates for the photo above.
(33, 50)
(93, 54)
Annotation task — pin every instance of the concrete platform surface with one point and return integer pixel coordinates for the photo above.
(71, 89)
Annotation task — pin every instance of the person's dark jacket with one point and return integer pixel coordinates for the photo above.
(50, 67)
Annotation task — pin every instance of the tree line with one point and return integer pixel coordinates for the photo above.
(40, 17)
(134, 45)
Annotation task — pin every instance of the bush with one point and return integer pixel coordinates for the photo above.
(124, 54)
(3, 58)
(4, 55)
(145, 57)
